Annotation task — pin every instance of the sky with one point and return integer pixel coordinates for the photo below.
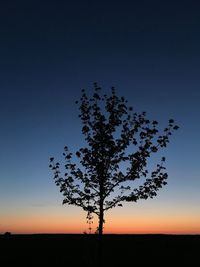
(49, 51)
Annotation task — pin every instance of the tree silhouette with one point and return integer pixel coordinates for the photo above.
(119, 144)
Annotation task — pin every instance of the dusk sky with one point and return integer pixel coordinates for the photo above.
(49, 51)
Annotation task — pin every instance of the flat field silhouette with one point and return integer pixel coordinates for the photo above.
(81, 250)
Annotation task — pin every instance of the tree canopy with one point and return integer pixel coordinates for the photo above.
(120, 142)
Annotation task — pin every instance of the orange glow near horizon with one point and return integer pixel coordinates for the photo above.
(152, 227)
(137, 225)
(154, 224)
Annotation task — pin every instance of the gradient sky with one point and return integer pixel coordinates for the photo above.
(49, 51)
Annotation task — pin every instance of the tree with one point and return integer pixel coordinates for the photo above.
(119, 144)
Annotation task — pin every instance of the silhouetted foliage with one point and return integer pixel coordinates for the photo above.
(7, 234)
(119, 144)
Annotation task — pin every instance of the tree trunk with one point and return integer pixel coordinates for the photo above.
(100, 232)
(101, 220)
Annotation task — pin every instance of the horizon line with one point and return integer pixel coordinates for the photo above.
(84, 233)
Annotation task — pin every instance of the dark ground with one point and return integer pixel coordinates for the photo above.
(81, 250)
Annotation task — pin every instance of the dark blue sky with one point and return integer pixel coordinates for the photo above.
(50, 50)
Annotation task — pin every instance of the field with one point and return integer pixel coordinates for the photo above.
(81, 250)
